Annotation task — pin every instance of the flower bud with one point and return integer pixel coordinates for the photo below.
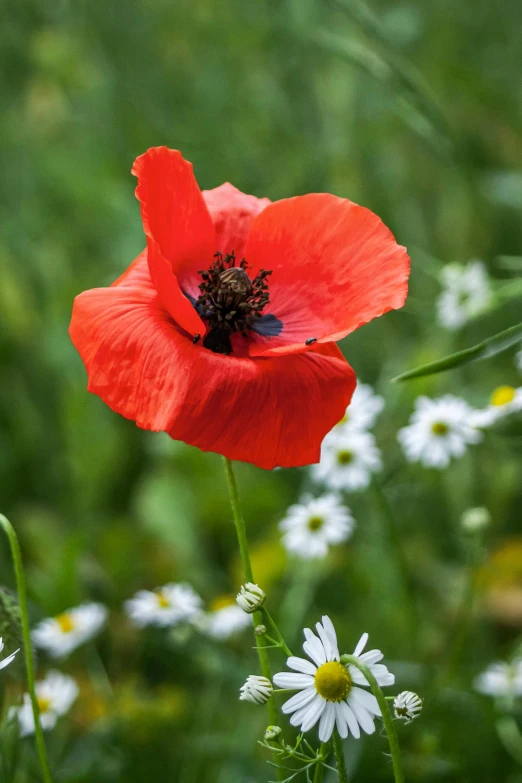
(475, 519)
(407, 706)
(256, 689)
(260, 630)
(250, 597)
(272, 733)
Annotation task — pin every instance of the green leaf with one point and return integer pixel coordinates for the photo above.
(489, 347)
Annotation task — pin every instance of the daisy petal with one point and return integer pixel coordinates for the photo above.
(361, 644)
(315, 710)
(326, 724)
(372, 656)
(340, 720)
(330, 630)
(301, 665)
(351, 720)
(364, 718)
(366, 700)
(293, 681)
(298, 701)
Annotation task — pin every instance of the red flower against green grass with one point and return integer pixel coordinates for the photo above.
(222, 332)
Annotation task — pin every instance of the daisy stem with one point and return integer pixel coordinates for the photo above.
(26, 635)
(386, 715)
(339, 757)
(277, 632)
(319, 770)
(249, 577)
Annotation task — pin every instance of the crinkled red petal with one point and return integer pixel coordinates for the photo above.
(271, 412)
(335, 267)
(232, 213)
(180, 233)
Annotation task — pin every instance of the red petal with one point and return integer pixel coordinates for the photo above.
(335, 267)
(267, 411)
(179, 230)
(232, 213)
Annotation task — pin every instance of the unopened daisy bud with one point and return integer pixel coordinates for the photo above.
(256, 689)
(475, 519)
(407, 706)
(260, 630)
(272, 733)
(250, 597)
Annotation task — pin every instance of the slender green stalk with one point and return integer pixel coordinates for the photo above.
(339, 757)
(278, 634)
(22, 600)
(249, 577)
(319, 770)
(386, 715)
(393, 536)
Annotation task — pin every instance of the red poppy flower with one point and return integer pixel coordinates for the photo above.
(222, 332)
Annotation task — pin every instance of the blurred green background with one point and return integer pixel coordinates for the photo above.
(412, 109)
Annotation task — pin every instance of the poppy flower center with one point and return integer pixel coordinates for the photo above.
(230, 301)
(332, 681)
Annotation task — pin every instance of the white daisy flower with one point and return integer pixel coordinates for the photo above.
(438, 430)
(225, 619)
(504, 400)
(475, 519)
(60, 635)
(6, 661)
(55, 696)
(250, 597)
(348, 460)
(362, 412)
(256, 689)
(407, 706)
(165, 606)
(312, 525)
(466, 293)
(501, 679)
(328, 691)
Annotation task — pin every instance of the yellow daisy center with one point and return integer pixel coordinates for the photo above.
(502, 395)
(65, 622)
(344, 457)
(332, 681)
(315, 523)
(43, 704)
(439, 428)
(221, 602)
(163, 601)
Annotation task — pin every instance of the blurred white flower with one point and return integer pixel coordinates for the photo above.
(362, 412)
(438, 430)
(504, 400)
(62, 634)
(475, 519)
(348, 460)
(501, 679)
(55, 696)
(250, 597)
(224, 619)
(6, 661)
(256, 689)
(165, 606)
(466, 293)
(407, 706)
(328, 690)
(312, 525)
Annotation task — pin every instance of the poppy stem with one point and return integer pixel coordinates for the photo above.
(249, 577)
(28, 653)
(386, 715)
(339, 757)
